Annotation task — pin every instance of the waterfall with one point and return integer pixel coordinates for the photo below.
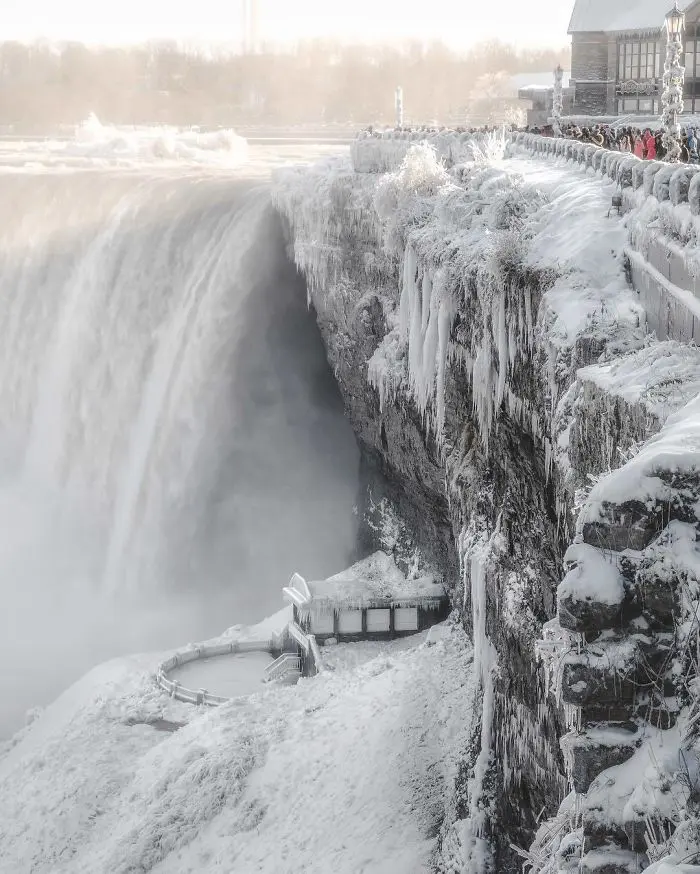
(172, 443)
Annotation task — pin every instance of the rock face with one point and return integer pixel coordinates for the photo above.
(449, 326)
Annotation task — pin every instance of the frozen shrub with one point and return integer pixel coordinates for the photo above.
(401, 199)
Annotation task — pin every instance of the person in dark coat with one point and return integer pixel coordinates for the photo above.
(660, 150)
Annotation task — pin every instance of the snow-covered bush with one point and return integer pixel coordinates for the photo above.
(403, 199)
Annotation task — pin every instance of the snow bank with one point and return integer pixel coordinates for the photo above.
(662, 377)
(675, 450)
(375, 578)
(346, 772)
(594, 578)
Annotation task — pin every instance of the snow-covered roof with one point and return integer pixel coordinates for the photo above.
(374, 580)
(590, 16)
(538, 80)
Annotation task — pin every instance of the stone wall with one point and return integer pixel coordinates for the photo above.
(590, 74)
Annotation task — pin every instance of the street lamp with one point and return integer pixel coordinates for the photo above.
(557, 100)
(674, 76)
(398, 104)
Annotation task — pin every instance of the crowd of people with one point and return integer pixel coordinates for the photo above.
(644, 143)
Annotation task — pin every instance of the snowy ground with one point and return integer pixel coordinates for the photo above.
(347, 772)
(349, 656)
(228, 675)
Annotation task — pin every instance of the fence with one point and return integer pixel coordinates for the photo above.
(205, 651)
(677, 183)
(666, 277)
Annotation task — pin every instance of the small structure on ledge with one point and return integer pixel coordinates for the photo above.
(372, 600)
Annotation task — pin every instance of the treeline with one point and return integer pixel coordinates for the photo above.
(43, 85)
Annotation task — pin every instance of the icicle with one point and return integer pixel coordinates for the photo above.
(474, 558)
(445, 318)
(482, 387)
(502, 346)
(408, 290)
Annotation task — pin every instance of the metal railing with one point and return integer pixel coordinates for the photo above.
(201, 696)
(285, 664)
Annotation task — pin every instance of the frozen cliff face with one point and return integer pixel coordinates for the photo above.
(621, 654)
(457, 307)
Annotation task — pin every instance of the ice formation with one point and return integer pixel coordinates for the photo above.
(502, 287)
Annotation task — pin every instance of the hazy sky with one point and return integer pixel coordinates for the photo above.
(457, 22)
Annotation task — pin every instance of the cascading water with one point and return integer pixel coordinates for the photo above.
(172, 444)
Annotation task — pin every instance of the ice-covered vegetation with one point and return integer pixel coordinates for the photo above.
(524, 261)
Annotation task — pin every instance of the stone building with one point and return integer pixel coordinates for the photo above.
(617, 56)
(536, 93)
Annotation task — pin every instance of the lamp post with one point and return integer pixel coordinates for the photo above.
(557, 100)
(674, 76)
(398, 104)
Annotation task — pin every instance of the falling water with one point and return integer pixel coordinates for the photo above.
(172, 445)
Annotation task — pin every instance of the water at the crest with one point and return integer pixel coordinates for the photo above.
(172, 445)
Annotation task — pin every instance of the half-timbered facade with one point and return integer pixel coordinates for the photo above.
(617, 56)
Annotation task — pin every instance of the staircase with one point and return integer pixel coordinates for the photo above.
(285, 669)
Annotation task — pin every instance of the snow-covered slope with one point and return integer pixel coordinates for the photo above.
(347, 772)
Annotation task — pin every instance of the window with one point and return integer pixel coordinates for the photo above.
(378, 620)
(322, 623)
(692, 58)
(406, 619)
(639, 106)
(638, 61)
(350, 622)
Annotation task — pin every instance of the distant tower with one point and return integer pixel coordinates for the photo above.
(251, 23)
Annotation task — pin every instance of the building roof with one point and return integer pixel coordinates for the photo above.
(613, 16)
(536, 81)
(373, 581)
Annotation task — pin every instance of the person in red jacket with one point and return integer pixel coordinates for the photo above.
(639, 146)
(651, 147)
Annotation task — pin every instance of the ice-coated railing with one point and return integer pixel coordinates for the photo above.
(205, 651)
(284, 664)
(677, 183)
(660, 254)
